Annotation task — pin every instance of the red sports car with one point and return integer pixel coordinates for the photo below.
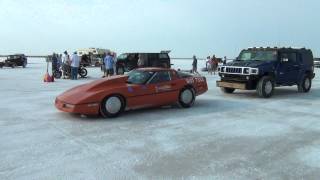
(141, 88)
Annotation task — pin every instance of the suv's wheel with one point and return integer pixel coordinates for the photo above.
(13, 65)
(227, 90)
(305, 84)
(112, 106)
(186, 97)
(265, 87)
(120, 70)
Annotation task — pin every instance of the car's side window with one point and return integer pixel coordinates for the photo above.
(161, 76)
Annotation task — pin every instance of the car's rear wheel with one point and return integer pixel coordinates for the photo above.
(305, 84)
(112, 106)
(187, 97)
(265, 87)
(227, 90)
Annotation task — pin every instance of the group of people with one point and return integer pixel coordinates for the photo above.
(108, 64)
(69, 64)
(212, 64)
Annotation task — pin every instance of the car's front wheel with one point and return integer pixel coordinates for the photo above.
(187, 97)
(305, 84)
(265, 87)
(112, 106)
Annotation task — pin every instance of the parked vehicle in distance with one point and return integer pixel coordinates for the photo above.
(129, 61)
(92, 56)
(141, 88)
(263, 69)
(317, 62)
(14, 61)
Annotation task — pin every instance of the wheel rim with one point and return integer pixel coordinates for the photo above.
(268, 87)
(187, 96)
(307, 83)
(113, 105)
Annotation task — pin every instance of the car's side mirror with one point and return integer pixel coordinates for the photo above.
(284, 59)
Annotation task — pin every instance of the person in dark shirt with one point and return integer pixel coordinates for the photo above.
(195, 65)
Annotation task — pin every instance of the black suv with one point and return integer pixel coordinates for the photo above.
(15, 60)
(129, 61)
(262, 69)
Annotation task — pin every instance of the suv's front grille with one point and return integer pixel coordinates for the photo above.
(234, 70)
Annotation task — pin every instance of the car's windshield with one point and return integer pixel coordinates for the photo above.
(258, 56)
(139, 77)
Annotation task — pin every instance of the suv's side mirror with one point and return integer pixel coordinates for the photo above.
(285, 59)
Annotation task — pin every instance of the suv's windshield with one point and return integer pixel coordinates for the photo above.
(122, 56)
(258, 56)
(139, 77)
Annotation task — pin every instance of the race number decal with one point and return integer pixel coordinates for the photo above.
(190, 80)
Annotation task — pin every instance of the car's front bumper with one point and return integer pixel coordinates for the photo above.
(86, 109)
(234, 85)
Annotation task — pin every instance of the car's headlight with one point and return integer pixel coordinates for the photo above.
(254, 71)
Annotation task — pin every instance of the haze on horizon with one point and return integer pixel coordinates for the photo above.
(205, 27)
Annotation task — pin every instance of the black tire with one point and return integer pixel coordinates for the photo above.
(111, 113)
(83, 72)
(13, 65)
(57, 74)
(24, 65)
(305, 85)
(184, 100)
(227, 90)
(265, 87)
(120, 70)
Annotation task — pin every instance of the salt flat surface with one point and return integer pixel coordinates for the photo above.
(238, 136)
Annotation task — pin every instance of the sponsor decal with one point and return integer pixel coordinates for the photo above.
(163, 88)
(130, 89)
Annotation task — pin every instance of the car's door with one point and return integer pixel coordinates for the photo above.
(289, 68)
(166, 88)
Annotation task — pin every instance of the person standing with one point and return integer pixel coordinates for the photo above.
(108, 61)
(215, 64)
(225, 60)
(54, 62)
(75, 64)
(209, 64)
(195, 64)
(66, 64)
(141, 61)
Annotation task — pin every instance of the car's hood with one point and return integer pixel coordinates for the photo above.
(253, 64)
(80, 93)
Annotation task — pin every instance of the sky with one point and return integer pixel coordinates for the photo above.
(186, 27)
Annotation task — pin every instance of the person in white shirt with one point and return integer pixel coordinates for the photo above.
(75, 64)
